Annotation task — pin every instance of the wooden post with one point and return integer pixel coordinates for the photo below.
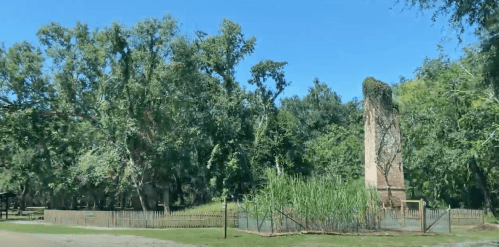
(225, 218)
(483, 218)
(449, 220)
(306, 220)
(424, 215)
(271, 221)
(403, 213)
(421, 214)
(257, 224)
(6, 207)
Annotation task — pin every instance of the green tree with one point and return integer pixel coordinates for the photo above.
(448, 122)
(338, 152)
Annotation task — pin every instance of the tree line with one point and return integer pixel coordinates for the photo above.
(146, 115)
(101, 116)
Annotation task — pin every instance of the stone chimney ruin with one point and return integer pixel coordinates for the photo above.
(383, 147)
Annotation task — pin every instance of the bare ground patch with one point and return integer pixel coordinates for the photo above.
(14, 239)
(485, 227)
(364, 233)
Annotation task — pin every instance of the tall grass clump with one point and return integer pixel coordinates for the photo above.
(317, 203)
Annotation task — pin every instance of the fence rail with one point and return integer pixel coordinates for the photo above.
(285, 220)
(137, 219)
(281, 221)
(458, 216)
(467, 216)
(432, 220)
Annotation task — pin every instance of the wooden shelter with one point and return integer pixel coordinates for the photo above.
(4, 197)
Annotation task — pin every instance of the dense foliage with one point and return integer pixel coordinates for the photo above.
(449, 123)
(145, 116)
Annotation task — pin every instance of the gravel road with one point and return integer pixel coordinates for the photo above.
(472, 244)
(13, 239)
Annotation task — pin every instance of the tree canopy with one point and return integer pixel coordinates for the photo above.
(146, 117)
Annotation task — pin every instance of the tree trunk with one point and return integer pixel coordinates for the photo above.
(180, 193)
(53, 200)
(122, 201)
(97, 202)
(483, 184)
(113, 201)
(152, 196)
(22, 199)
(166, 200)
(102, 203)
(143, 199)
(74, 202)
(277, 166)
(139, 186)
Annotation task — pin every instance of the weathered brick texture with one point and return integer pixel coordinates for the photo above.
(383, 158)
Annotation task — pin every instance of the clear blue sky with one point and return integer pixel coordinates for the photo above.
(340, 42)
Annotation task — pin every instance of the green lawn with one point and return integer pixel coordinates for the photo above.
(210, 208)
(491, 219)
(16, 217)
(214, 237)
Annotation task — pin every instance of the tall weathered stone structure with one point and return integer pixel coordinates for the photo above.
(383, 147)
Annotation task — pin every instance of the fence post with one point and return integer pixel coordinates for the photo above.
(458, 216)
(306, 219)
(483, 217)
(257, 223)
(423, 218)
(449, 220)
(403, 213)
(421, 214)
(225, 218)
(271, 220)
(286, 220)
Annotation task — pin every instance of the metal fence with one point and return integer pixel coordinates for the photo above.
(437, 220)
(430, 220)
(278, 221)
(395, 219)
(138, 219)
(282, 220)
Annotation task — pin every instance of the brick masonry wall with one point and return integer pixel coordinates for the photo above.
(371, 177)
(383, 143)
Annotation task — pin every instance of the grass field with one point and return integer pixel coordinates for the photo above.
(16, 217)
(214, 237)
(210, 208)
(491, 219)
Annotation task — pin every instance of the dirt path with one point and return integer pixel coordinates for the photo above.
(471, 244)
(13, 239)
